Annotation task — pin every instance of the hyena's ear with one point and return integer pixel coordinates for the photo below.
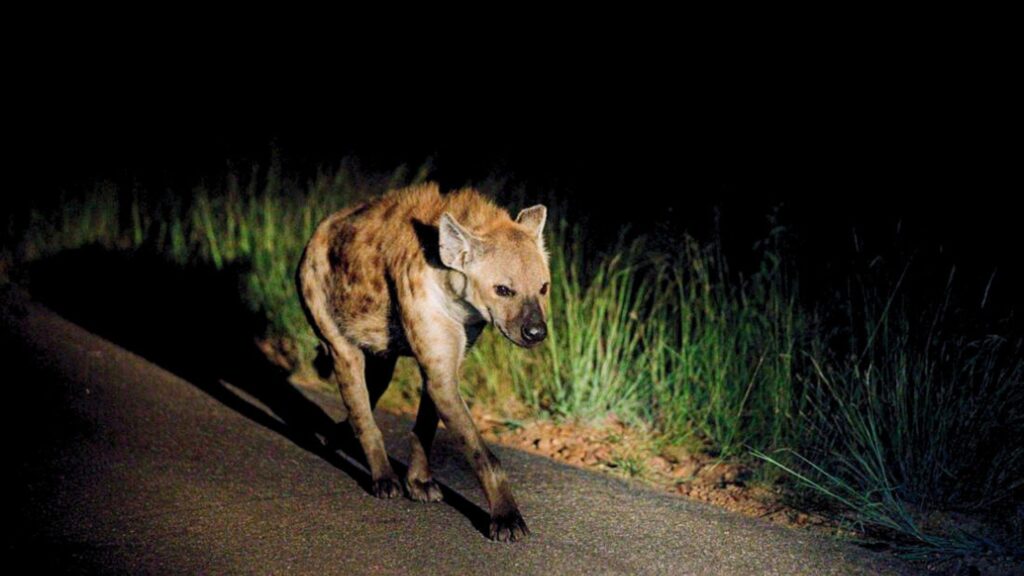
(458, 246)
(533, 218)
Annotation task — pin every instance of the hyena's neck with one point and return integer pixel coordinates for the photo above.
(451, 296)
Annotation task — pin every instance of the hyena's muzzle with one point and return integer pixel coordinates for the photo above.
(531, 325)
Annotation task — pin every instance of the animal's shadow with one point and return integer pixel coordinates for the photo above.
(192, 321)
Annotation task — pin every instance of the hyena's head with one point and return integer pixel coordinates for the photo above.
(506, 272)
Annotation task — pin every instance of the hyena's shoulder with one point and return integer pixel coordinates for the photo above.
(401, 226)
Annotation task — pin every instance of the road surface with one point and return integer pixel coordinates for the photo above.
(123, 467)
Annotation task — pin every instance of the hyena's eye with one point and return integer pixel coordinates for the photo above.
(504, 291)
(544, 289)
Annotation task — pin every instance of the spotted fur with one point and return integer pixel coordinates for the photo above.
(420, 273)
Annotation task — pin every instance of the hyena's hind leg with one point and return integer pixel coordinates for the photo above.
(379, 370)
(419, 481)
(350, 373)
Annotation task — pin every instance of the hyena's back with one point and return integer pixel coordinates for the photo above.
(358, 255)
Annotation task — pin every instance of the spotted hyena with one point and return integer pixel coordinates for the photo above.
(421, 274)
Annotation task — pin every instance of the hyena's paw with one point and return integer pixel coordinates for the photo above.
(386, 487)
(424, 491)
(508, 526)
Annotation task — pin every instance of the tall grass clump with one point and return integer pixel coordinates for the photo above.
(906, 413)
(595, 340)
(718, 364)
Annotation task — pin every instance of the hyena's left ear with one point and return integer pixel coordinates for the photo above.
(457, 245)
(533, 218)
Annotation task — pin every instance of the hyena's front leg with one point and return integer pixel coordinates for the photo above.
(350, 372)
(507, 523)
(419, 481)
(439, 342)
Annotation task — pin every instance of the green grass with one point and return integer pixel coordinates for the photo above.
(913, 417)
(630, 467)
(882, 410)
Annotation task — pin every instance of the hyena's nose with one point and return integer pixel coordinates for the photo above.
(534, 333)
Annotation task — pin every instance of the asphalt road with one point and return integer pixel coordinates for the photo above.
(123, 467)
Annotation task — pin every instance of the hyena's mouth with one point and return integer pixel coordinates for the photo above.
(517, 341)
(504, 333)
(501, 328)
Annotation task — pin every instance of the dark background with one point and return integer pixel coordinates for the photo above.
(914, 160)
